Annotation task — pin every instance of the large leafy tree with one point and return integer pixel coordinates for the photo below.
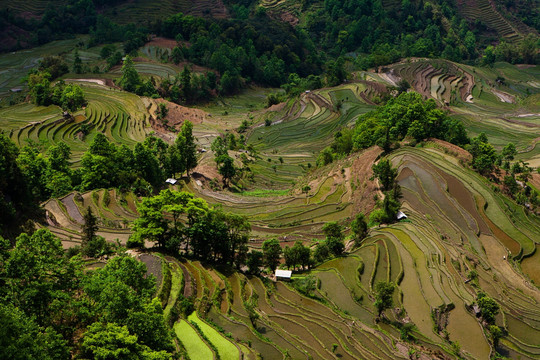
(21, 338)
(16, 199)
(386, 174)
(173, 218)
(189, 150)
(406, 115)
(41, 281)
(359, 227)
(226, 168)
(383, 295)
(130, 78)
(72, 97)
(484, 155)
(47, 299)
(272, 253)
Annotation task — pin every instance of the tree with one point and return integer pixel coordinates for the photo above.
(130, 79)
(383, 295)
(111, 341)
(149, 326)
(489, 56)
(335, 245)
(321, 252)
(16, 199)
(34, 169)
(90, 227)
(484, 155)
(72, 98)
(37, 272)
(334, 237)
(185, 81)
(162, 112)
(271, 253)
(359, 228)
(59, 156)
(325, 157)
(147, 165)
(333, 230)
(177, 55)
(21, 338)
(509, 151)
(290, 257)
(254, 262)
(189, 151)
(488, 307)
(219, 147)
(386, 174)
(77, 63)
(306, 285)
(496, 334)
(226, 168)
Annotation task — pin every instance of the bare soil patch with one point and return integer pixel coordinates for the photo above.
(153, 266)
(72, 209)
(535, 181)
(188, 286)
(362, 196)
(166, 43)
(504, 97)
(455, 150)
(175, 118)
(289, 18)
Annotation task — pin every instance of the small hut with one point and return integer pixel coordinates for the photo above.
(400, 215)
(284, 275)
(171, 181)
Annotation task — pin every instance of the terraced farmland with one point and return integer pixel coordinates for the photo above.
(146, 10)
(485, 11)
(119, 115)
(452, 230)
(64, 215)
(289, 324)
(456, 221)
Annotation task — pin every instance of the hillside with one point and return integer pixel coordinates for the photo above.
(157, 167)
(456, 223)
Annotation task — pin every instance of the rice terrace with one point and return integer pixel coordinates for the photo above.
(261, 179)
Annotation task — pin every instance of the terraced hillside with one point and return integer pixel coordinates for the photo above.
(146, 10)
(115, 212)
(430, 257)
(120, 115)
(457, 224)
(485, 11)
(129, 11)
(499, 101)
(289, 324)
(300, 128)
